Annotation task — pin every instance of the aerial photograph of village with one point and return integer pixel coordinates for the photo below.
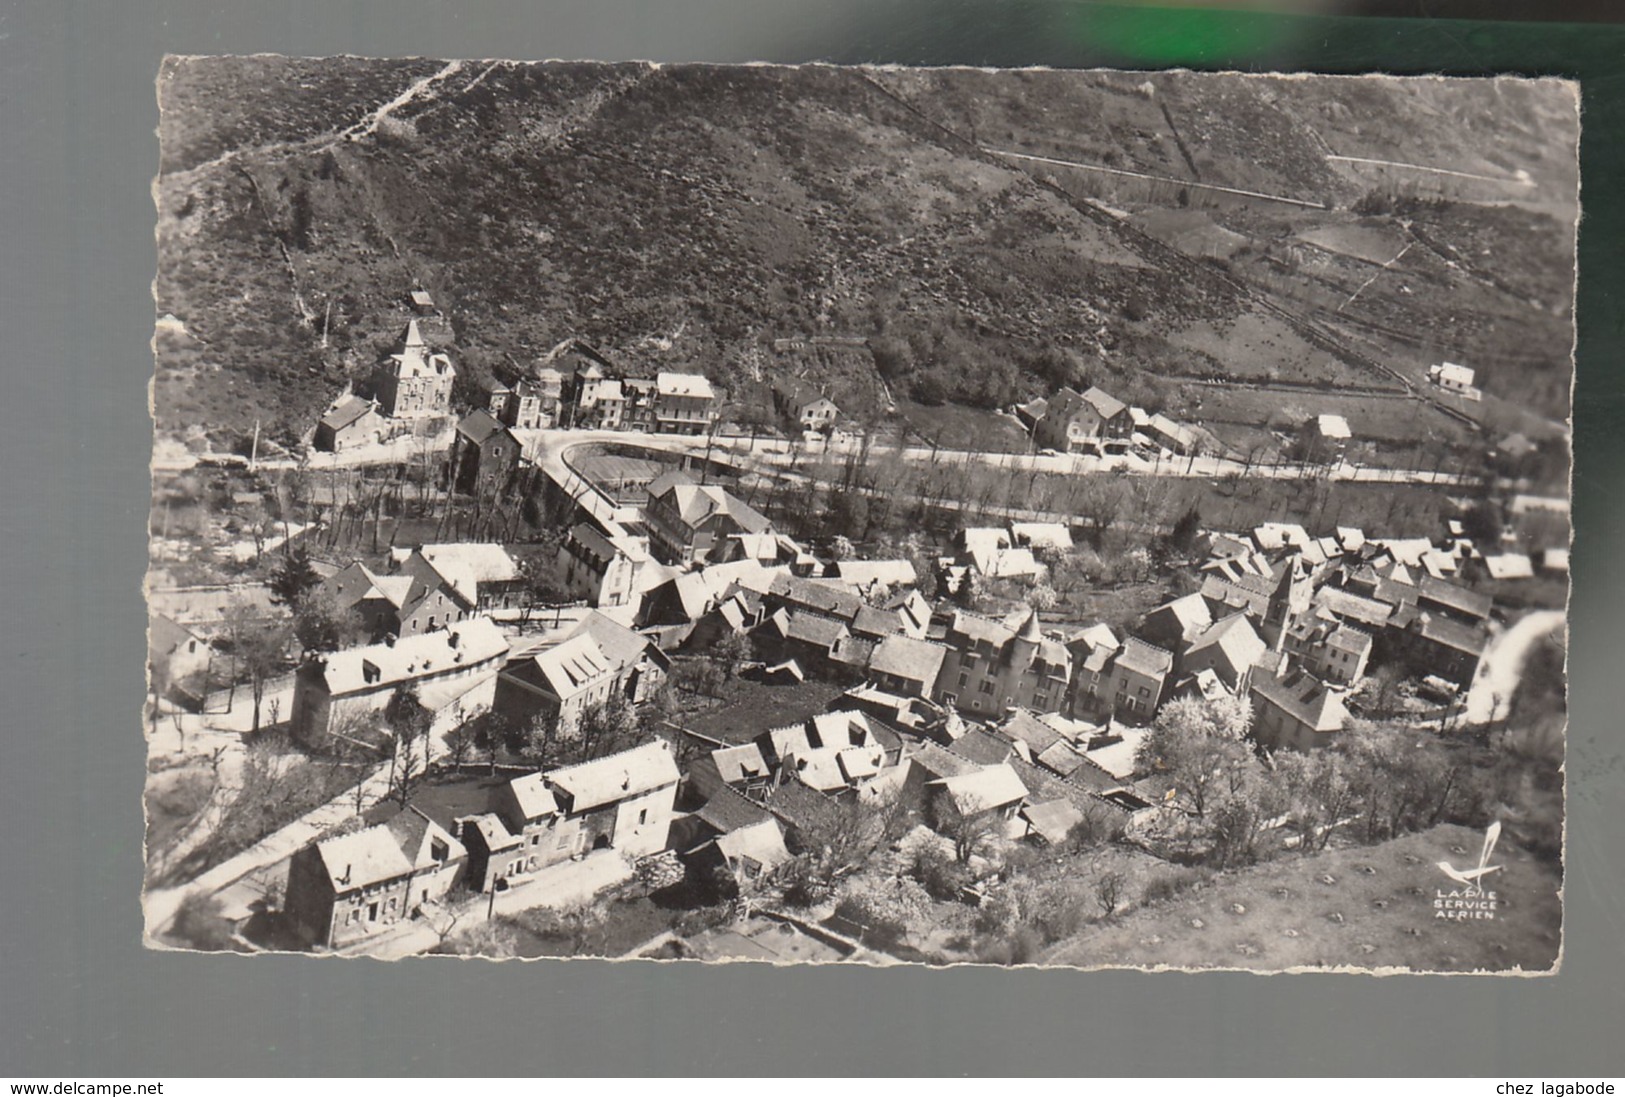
(863, 515)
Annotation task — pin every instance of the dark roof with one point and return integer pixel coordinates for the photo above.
(479, 425)
(983, 747)
(728, 810)
(1248, 593)
(1460, 599)
(810, 628)
(1304, 697)
(1345, 603)
(835, 599)
(939, 761)
(347, 412)
(1144, 658)
(798, 804)
(910, 659)
(1452, 634)
(1024, 726)
(1061, 758)
(876, 622)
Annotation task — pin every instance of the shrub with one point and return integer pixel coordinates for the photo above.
(942, 876)
(1172, 885)
(199, 924)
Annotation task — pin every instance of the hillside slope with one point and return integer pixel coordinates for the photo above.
(681, 216)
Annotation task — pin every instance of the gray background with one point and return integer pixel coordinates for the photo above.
(79, 997)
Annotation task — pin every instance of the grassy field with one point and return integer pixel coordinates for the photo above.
(1360, 907)
(953, 426)
(1401, 425)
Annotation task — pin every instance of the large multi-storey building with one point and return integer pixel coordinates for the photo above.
(992, 666)
(414, 382)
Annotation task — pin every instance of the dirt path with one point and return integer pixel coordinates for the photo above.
(1502, 665)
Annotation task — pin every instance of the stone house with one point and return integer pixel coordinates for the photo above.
(1073, 417)
(621, 802)
(484, 454)
(602, 568)
(351, 422)
(1296, 711)
(332, 689)
(414, 382)
(685, 403)
(1137, 677)
(596, 660)
(178, 662)
(344, 889)
(805, 405)
(992, 666)
(689, 523)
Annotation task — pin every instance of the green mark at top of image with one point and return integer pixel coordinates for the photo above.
(1181, 35)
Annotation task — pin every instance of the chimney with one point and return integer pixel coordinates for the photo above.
(389, 640)
(451, 638)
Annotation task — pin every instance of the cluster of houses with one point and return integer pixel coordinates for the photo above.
(1293, 622)
(1027, 727)
(574, 385)
(1073, 421)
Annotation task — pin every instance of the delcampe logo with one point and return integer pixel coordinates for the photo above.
(1471, 900)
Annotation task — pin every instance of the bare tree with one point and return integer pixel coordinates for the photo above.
(969, 826)
(1109, 892)
(258, 648)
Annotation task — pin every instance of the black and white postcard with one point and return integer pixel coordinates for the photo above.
(873, 515)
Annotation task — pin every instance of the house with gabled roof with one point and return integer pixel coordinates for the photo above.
(868, 574)
(1329, 649)
(603, 567)
(1455, 378)
(178, 661)
(1138, 678)
(527, 401)
(477, 575)
(622, 801)
(343, 889)
(1296, 712)
(1032, 735)
(352, 421)
(484, 453)
(1470, 607)
(333, 688)
(689, 523)
(805, 405)
(1230, 648)
(732, 840)
(1431, 643)
(595, 660)
(1072, 418)
(1050, 822)
(907, 665)
(989, 789)
(377, 601)
(1176, 623)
